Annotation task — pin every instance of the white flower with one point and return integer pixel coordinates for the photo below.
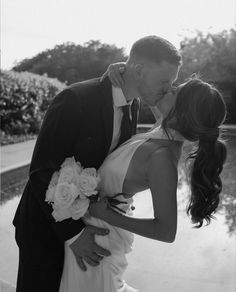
(50, 194)
(65, 194)
(79, 167)
(87, 184)
(61, 214)
(70, 162)
(67, 174)
(54, 179)
(79, 208)
(69, 188)
(90, 172)
(70, 169)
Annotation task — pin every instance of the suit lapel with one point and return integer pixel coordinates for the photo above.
(107, 111)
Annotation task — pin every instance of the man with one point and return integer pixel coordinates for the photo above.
(87, 120)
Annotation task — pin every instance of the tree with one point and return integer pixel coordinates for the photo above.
(72, 63)
(211, 55)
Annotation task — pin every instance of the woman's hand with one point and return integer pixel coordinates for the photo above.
(100, 209)
(114, 73)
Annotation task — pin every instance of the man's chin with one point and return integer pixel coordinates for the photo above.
(150, 103)
(147, 101)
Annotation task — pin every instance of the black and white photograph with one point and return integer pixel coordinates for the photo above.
(118, 146)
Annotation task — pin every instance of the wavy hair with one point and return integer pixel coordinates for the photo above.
(198, 113)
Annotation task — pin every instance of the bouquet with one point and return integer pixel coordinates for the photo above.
(70, 190)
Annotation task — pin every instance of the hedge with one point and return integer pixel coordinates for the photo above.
(24, 99)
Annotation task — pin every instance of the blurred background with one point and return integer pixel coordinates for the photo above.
(49, 44)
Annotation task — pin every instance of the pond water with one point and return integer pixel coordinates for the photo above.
(203, 259)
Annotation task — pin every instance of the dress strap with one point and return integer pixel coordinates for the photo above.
(160, 133)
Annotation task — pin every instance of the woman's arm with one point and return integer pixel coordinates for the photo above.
(114, 73)
(157, 115)
(162, 176)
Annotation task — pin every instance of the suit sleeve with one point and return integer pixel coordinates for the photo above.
(60, 129)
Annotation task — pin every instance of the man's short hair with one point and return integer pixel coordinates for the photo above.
(155, 49)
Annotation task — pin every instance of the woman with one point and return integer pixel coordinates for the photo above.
(149, 161)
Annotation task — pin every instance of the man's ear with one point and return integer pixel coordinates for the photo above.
(138, 68)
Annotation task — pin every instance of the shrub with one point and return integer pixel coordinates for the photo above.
(24, 98)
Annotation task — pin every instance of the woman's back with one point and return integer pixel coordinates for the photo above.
(136, 179)
(125, 170)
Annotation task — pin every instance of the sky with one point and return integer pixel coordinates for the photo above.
(29, 27)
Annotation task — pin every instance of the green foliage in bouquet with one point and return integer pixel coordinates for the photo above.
(24, 98)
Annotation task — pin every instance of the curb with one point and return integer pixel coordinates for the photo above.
(13, 167)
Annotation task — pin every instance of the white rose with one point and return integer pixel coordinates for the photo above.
(70, 162)
(79, 167)
(67, 174)
(61, 214)
(50, 194)
(54, 179)
(90, 172)
(87, 184)
(65, 194)
(79, 208)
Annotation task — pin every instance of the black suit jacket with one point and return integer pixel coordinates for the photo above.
(79, 123)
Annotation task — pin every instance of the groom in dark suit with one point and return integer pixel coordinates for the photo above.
(87, 120)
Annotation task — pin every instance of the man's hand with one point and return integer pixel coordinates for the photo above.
(86, 249)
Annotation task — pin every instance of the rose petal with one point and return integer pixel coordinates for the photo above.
(61, 214)
(79, 208)
(90, 172)
(50, 194)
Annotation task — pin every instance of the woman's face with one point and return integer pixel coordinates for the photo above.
(167, 102)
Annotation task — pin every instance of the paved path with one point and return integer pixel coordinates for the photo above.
(16, 155)
(12, 157)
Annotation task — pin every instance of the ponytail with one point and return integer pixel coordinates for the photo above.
(205, 180)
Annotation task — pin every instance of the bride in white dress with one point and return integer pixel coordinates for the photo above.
(150, 161)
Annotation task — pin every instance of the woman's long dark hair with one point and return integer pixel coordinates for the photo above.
(197, 115)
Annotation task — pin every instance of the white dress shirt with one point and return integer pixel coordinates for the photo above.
(119, 100)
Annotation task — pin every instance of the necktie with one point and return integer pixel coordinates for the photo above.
(128, 126)
(134, 110)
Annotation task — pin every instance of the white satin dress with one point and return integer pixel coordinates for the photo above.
(108, 275)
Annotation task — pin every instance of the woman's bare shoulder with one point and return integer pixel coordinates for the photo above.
(162, 159)
(163, 153)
